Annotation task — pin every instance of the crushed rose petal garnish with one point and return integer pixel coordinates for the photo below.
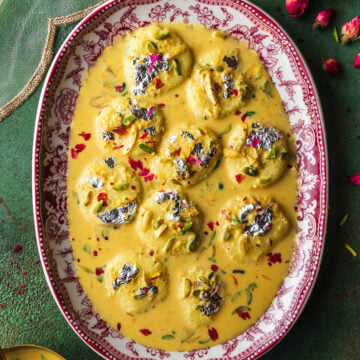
(355, 179)
(213, 334)
(85, 135)
(273, 258)
(243, 314)
(145, 332)
(17, 248)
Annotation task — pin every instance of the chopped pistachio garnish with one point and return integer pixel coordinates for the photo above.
(87, 248)
(226, 130)
(129, 119)
(273, 152)
(186, 227)
(267, 88)
(169, 244)
(121, 186)
(335, 34)
(152, 47)
(219, 68)
(161, 35)
(146, 148)
(264, 181)
(98, 206)
(283, 155)
(251, 170)
(192, 245)
(212, 237)
(227, 235)
(177, 67)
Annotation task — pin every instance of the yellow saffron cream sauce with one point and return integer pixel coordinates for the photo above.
(95, 245)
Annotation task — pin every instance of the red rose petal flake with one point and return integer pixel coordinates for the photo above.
(355, 180)
(17, 248)
(234, 91)
(210, 224)
(144, 172)
(273, 258)
(142, 137)
(85, 135)
(102, 197)
(214, 268)
(78, 149)
(161, 106)
(99, 271)
(118, 326)
(243, 314)
(357, 61)
(149, 177)
(158, 83)
(213, 334)
(145, 332)
(120, 131)
(239, 178)
(74, 154)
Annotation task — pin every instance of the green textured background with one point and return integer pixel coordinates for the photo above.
(329, 327)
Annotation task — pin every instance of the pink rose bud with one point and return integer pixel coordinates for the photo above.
(324, 18)
(351, 30)
(357, 61)
(331, 66)
(296, 7)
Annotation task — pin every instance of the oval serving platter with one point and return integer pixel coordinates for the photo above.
(293, 80)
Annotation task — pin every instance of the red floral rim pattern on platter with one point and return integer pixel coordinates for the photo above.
(290, 75)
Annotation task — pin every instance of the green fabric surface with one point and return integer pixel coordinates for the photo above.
(329, 327)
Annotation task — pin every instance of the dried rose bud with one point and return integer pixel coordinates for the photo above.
(357, 61)
(323, 18)
(296, 7)
(351, 30)
(331, 66)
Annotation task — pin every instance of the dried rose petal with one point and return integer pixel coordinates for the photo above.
(214, 268)
(213, 334)
(17, 248)
(85, 135)
(273, 258)
(296, 7)
(357, 61)
(145, 332)
(355, 180)
(239, 178)
(331, 66)
(80, 147)
(99, 271)
(351, 30)
(243, 314)
(323, 18)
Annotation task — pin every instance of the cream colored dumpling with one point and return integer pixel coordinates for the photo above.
(156, 61)
(137, 282)
(256, 155)
(129, 127)
(187, 155)
(170, 223)
(217, 86)
(251, 227)
(108, 192)
(201, 294)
